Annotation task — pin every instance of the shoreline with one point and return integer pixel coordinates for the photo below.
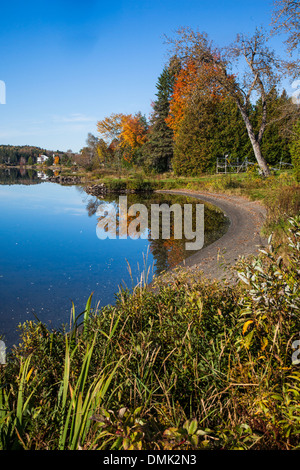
(242, 238)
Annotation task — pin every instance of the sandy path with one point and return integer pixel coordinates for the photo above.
(242, 238)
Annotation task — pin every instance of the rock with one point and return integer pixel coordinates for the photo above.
(66, 179)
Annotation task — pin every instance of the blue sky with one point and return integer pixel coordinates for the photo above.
(67, 64)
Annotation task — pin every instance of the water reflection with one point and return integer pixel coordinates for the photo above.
(50, 254)
(22, 175)
(167, 253)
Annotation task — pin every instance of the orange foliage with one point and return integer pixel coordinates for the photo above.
(56, 160)
(191, 79)
(184, 85)
(133, 134)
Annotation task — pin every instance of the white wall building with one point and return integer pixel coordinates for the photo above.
(42, 158)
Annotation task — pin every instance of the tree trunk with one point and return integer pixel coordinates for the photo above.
(255, 143)
(259, 158)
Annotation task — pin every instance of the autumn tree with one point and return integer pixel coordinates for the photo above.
(111, 126)
(124, 135)
(182, 95)
(206, 124)
(110, 129)
(192, 117)
(255, 74)
(103, 154)
(133, 135)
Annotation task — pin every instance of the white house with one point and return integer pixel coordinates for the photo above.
(42, 158)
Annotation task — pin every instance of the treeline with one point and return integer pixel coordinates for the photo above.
(26, 154)
(12, 154)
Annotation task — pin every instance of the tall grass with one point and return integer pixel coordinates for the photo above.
(71, 401)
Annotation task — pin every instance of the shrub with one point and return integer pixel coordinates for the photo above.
(139, 185)
(116, 185)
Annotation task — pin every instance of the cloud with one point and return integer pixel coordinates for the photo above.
(76, 117)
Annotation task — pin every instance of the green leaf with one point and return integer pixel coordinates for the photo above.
(194, 440)
(193, 427)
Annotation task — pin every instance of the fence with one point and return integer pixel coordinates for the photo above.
(228, 165)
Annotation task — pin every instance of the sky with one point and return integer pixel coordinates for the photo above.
(67, 64)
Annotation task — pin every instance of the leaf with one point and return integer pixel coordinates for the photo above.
(248, 339)
(194, 440)
(137, 411)
(171, 432)
(246, 325)
(264, 344)
(193, 427)
(243, 278)
(126, 443)
(122, 412)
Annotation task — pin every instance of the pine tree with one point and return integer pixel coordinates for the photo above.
(208, 131)
(159, 149)
(230, 135)
(275, 142)
(194, 141)
(295, 151)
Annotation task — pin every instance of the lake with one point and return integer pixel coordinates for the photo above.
(51, 254)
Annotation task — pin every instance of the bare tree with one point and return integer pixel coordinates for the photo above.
(245, 70)
(286, 18)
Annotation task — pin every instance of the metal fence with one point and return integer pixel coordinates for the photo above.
(227, 165)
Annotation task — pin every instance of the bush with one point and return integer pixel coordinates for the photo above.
(116, 185)
(139, 185)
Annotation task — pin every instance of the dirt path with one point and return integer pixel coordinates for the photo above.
(242, 238)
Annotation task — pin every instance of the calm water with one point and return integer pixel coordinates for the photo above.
(51, 255)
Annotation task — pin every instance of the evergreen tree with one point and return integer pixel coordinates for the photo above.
(206, 132)
(295, 151)
(275, 142)
(194, 141)
(230, 136)
(159, 148)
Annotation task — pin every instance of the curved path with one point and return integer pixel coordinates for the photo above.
(241, 239)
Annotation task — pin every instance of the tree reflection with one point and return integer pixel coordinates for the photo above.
(18, 176)
(167, 253)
